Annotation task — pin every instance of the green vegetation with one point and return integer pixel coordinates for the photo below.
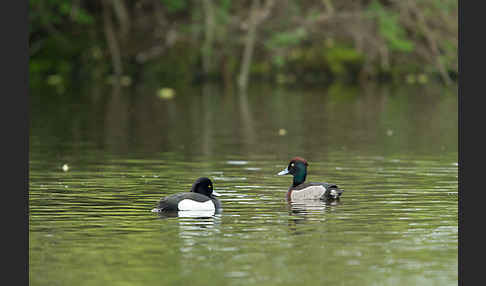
(174, 42)
(389, 28)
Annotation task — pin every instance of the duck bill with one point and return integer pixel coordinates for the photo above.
(216, 194)
(284, 172)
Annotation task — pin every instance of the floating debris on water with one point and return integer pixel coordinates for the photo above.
(166, 93)
(282, 132)
(389, 132)
(65, 167)
(422, 78)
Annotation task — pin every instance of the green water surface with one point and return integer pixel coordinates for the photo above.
(392, 149)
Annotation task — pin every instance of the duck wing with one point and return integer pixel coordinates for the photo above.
(323, 191)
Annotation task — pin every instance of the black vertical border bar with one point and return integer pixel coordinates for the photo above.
(472, 80)
(14, 124)
(460, 145)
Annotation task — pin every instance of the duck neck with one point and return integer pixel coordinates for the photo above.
(299, 177)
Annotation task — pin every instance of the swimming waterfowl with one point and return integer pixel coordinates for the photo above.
(307, 191)
(200, 198)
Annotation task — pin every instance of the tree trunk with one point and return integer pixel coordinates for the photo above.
(249, 46)
(123, 17)
(113, 45)
(208, 36)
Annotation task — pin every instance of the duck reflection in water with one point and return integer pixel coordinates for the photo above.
(304, 211)
(189, 214)
(310, 207)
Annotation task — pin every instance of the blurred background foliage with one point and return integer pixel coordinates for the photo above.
(181, 42)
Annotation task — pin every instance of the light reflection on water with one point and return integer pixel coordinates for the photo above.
(396, 223)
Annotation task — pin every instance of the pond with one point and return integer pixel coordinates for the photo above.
(393, 149)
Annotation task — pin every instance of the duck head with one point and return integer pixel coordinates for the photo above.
(298, 168)
(204, 186)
